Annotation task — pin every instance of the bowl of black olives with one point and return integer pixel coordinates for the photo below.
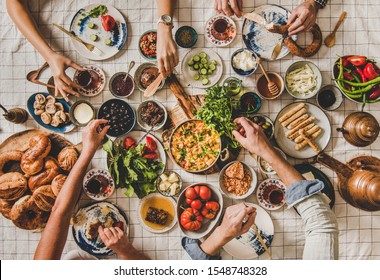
(265, 123)
(120, 115)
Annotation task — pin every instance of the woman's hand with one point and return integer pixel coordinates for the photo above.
(229, 7)
(93, 135)
(167, 56)
(303, 17)
(114, 238)
(63, 84)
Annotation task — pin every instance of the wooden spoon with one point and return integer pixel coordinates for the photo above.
(32, 76)
(330, 39)
(272, 87)
(152, 88)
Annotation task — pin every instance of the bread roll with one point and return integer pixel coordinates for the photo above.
(51, 170)
(13, 185)
(44, 198)
(32, 161)
(67, 158)
(57, 183)
(294, 117)
(9, 156)
(291, 112)
(297, 121)
(301, 125)
(26, 215)
(5, 208)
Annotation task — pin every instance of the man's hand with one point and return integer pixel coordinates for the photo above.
(167, 56)
(303, 17)
(229, 7)
(114, 238)
(63, 84)
(93, 135)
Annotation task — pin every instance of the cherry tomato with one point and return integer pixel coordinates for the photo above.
(197, 189)
(196, 204)
(188, 201)
(191, 194)
(205, 193)
(210, 209)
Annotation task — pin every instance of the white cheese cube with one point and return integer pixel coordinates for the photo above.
(173, 178)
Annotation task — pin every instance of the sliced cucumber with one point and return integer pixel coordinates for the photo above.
(203, 71)
(108, 42)
(205, 81)
(196, 77)
(191, 68)
(196, 66)
(209, 71)
(191, 62)
(203, 55)
(214, 62)
(94, 37)
(91, 25)
(204, 60)
(196, 58)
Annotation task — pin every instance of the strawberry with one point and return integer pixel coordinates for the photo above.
(108, 22)
(129, 143)
(151, 144)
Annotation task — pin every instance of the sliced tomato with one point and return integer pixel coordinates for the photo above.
(150, 156)
(129, 143)
(151, 144)
(108, 22)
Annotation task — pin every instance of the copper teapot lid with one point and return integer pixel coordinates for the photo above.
(360, 129)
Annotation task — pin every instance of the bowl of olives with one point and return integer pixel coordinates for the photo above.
(120, 115)
(265, 123)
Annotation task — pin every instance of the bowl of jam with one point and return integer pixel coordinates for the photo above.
(122, 85)
(329, 98)
(98, 184)
(145, 74)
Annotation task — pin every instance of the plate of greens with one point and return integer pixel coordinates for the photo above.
(135, 166)
(202, 68)
(100, 25)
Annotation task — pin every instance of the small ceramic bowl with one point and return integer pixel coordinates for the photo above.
(262, 85)
(252, 186)
(73, 112)
(250, 103)
(139, 71)
(145, 125)
(186, 30)
(266, 170)
(271, 194)
(139, 47)
(240, 71)
(337, 94)
(166, 192)
(266, 124)
(120, 88)
(317, 72)
(105, 190)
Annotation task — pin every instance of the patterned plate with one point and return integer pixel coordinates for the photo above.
(258, 39)
(103, 212)
(103, 195)
(265, 188)
(118, 35)
(248, 246)
(101, 84)
(231, 31)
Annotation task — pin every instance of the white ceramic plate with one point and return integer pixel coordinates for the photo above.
(287, 146)
(257, 38)
(263, 190)
(248, 246)
(188, 74)
(102, 195)
(141, 218)
(231, 31)
(90, 214)
(118, 35)
(102, 81)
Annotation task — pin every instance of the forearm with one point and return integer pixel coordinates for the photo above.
(55, 233)
(214, 242)
(165, 7)
(21, 17)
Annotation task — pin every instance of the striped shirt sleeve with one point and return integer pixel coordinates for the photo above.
(321, 3)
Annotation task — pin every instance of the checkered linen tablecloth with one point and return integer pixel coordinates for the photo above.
(359, 230)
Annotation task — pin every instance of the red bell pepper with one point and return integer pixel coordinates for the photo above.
(348, 76)
(370, 72)
(108, 22)
(345, 62)
(375, 93)
(362, 76)
(357, 60)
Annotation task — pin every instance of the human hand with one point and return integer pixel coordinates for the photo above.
(93, 135)
(303, 17)
(229, 7)
(114, 238)
(167, 56)
(63, 84)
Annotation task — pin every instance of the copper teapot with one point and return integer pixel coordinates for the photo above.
(358, 181)
(360, 129)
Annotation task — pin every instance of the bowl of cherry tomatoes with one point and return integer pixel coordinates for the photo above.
(199, 209)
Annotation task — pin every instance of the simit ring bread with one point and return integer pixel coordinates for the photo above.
(32, 161)
(13, 185)
(67, 158)
(292, 46)
(44, 198)
(57, 183)
(9, 156)
(26, 215)
(5, 208)
(51, 170)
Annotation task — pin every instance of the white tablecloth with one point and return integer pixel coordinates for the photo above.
(359, 230)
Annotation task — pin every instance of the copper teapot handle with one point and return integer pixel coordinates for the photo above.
(332, 163)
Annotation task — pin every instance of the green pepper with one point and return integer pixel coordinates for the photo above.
(371, 82)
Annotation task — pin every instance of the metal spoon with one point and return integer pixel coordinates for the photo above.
(330, 39)
(131, 65)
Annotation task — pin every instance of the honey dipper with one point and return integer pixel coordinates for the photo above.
(273, 89)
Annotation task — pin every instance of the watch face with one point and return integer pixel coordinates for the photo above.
(166, 19)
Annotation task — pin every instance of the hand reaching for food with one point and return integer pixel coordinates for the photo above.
(114, 238)
(303, 17)
(167, 56)
(93, 135)
(229, 7)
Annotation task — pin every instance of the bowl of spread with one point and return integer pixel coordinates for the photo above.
(151, 113)
(145, 74)
(122, 85)
(186, 37)
(329, 98)
(243, 62)
(262, 85)
(82, 112)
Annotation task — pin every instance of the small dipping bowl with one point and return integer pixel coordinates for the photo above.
(250, 103)
(240, 71)
(98, 184)
(329, 98)
(81, 113)
(145, 125)
(265, 170)
(266, 124)
(262, 85)
(186, 37)
(140, 71)
(121, 88)
(166, 193)
(270, 194)
(151, 58)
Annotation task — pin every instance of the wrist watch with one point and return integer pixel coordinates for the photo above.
(166, 19)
